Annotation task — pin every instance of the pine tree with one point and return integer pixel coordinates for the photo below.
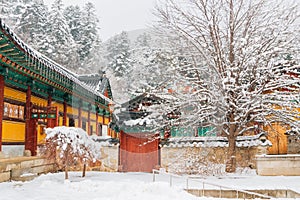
(33, 24)
(5, 10)
(118, 54)
(90, 42)
(143, 40)
(83, 26)
(73, 15)
(63, 47)
(11, 11)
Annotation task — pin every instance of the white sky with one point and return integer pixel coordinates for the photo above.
(118, 15)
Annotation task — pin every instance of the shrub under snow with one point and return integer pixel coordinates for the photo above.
(70, 146)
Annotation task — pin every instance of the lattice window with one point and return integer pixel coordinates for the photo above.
(13, 111)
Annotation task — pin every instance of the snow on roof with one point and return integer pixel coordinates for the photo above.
(48, 62)
(241, 141)
(95, 81)
(140, 121)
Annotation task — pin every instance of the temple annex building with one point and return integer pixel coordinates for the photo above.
(36, 92)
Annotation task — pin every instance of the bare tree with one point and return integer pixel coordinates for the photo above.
(239, 63)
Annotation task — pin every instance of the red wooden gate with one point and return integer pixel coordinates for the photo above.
(139, 152)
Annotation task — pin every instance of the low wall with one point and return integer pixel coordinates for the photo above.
(205, 160)
(109, 160)
(278, 165)
(245, 194)
(24, 168)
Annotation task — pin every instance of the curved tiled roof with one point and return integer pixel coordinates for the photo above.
(25, 53)
(98, 82)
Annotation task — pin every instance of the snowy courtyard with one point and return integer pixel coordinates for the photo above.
(131, 186)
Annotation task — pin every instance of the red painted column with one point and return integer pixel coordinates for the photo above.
(89, 120)
(97, 123)
(79, 115)
(65, 113)
(1, 107)
(103, 123)
(49, 121)
(30, 126)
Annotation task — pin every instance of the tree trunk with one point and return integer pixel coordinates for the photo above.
(67, 162)
(66, 172)
(84, 170)
(231, 155)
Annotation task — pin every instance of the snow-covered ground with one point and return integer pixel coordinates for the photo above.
(129, 186)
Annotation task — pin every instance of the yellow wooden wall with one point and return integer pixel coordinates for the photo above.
(15, 131)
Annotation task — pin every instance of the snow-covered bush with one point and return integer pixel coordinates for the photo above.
(70, 146)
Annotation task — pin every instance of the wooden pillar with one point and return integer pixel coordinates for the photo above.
(103, 118)
(65, 113)
(30, 126)
(89, 120)
(80, 114)
(108, 129)
(103, 123)
(1, 107)
(97, 122)
(49, 102)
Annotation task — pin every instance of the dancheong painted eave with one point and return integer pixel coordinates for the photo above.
(14, 53)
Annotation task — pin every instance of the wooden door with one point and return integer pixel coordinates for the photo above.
(276, 135)
(139, 152)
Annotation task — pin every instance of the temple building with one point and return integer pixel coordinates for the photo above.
(36, 92)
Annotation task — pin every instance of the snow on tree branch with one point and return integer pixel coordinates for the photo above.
(80, 144)
(242, 62)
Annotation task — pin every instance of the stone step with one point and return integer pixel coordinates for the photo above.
(24, 168)
(25, 177)
(5, 176)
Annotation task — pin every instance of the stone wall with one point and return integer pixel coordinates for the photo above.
(203, 160)
(109, 160)
(278, 165)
